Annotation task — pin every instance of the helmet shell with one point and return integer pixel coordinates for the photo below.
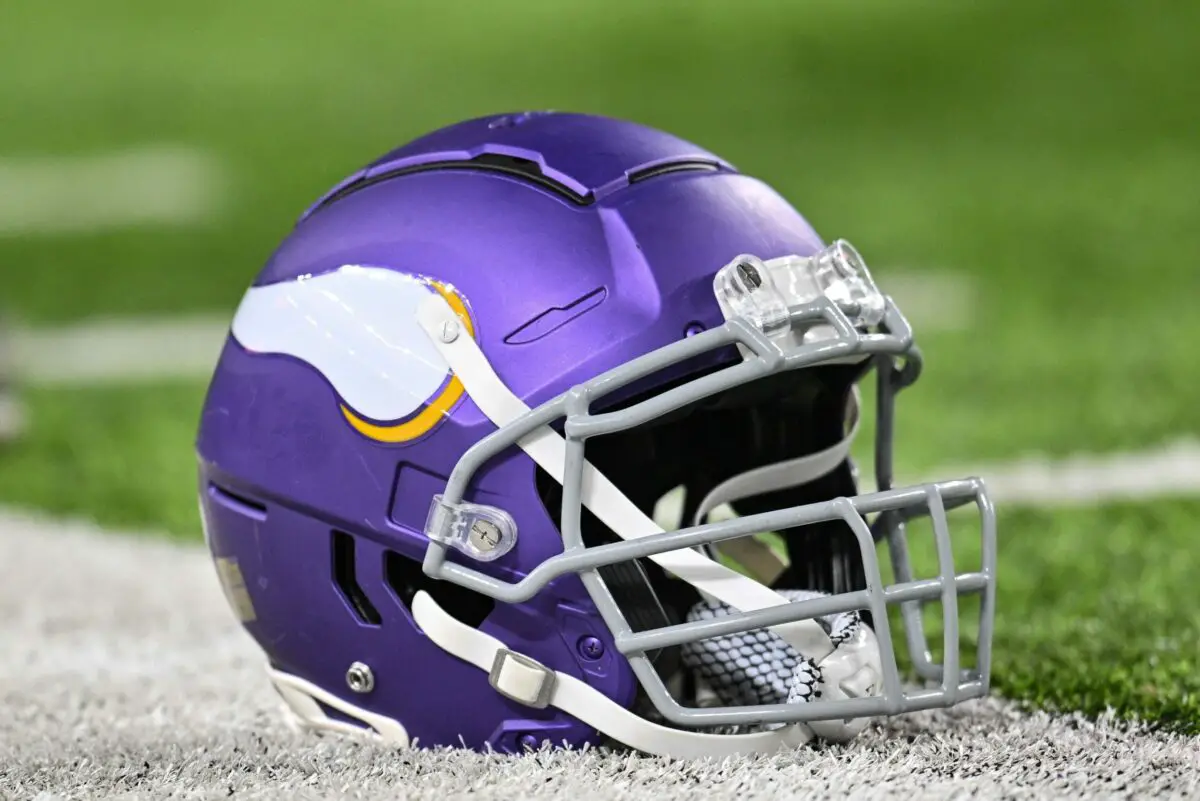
(576, 244)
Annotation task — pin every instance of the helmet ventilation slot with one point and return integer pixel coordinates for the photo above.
(239, 504)
(344, 576)
(406, 579)
(524, 170)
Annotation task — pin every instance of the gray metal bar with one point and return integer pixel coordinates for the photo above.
(769, 356)
(885, 704)
(987, 608)
(577, 559)
(665, 402)
(679, 351)
(495, 443)
(878, 606)
(945, 557)
(928, 589)
(737, 622)
(892, 505)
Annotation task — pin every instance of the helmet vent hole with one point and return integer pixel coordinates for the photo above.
(239, 504)
(689, 165)
(406, 579)
(344, 576)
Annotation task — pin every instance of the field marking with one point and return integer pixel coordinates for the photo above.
(156, 184)
(12, 415)
(120, 350)
(124, 350)
(125, 672)
(932, 301)
(1169, 470)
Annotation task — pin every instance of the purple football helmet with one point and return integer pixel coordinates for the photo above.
(495, 439)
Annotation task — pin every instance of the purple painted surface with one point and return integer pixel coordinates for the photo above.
(584, 152)
(271, 428)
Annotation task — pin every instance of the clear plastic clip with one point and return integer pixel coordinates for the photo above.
(762, 292)
(482, 532)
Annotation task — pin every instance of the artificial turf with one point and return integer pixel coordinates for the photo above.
(1046, 153)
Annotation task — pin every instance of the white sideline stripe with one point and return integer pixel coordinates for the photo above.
(1170, 470)
(12, 416)
(157, 184)
(120, 351)
(932, 301)
(123, 656)
(172, 347)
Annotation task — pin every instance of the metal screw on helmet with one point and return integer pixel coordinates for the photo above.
(484, 535)
(359, 678)
(590, 647)
(449, 331)
(749, 274)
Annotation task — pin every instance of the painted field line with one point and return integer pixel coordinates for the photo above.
(1172, 470)
(120, 350)
(123, 350)
(12, 415)
(1169, 470)
(158, 184)
(933, 301)
(126, 674)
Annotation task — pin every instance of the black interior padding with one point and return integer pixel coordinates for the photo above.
(775, 418)
(406, 578)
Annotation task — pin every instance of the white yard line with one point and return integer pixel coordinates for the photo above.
(932, 300)
(1170, 470)
(158, 184)
(125, 351)
(124, 674)
(12, 416)
(120, 350)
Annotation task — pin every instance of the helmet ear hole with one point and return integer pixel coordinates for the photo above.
(406, 579)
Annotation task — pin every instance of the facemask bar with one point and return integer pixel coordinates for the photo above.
(763, 357)
(891, 525)
(955, 685)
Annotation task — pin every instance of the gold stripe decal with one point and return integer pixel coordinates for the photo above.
(436, 409)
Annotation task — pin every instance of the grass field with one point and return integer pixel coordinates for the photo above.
(1049, 154)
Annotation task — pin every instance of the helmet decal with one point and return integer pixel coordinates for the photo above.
(437, 408)
(357, 327)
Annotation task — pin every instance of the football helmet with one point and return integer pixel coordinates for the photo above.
(490, 449)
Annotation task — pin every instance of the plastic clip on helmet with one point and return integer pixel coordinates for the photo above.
(451, 403)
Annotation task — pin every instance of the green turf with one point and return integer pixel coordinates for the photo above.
(1047, 151)
(1098, 609)
(1025, 142)
(120, 456)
